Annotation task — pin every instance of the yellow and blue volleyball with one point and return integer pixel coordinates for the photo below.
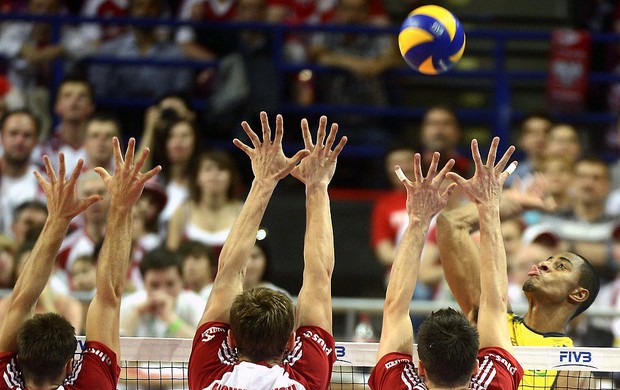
(431, 39)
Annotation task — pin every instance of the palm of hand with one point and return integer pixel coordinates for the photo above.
(314, 169)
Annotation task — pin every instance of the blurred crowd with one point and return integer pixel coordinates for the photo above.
(183, 218)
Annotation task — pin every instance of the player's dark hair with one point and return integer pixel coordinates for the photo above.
(261, 321)
(45, 344)
(589, 280)
(159, 259)
(448, 348)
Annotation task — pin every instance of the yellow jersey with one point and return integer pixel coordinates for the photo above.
(521, 334)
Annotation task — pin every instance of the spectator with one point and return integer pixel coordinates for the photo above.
(563, 140)
(163, 309)
(586, 228)
(19, 130)
(559, 173)
(103, 8)
(212, 207)
(30, 51)
(145, 232)
(74, 105)
(359, 60)
(141, 42)
(51, 300)
(158, 119)
(389, 213)
(204, 41)
(532, 144)
(28, 217)
(247, 77)
(441, 133)
(100, 129)
(199, 267)
(84, 274)
(177, 150)
(7, 262)
(82, 240)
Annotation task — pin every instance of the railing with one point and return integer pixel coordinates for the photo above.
(351, 307)
(499, 116)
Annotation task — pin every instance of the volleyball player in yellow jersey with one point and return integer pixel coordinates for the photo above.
(557, 289)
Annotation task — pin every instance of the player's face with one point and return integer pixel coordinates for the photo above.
(555, 278)
(19, 137)
(167, 280)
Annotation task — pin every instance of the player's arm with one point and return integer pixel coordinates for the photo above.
(424, 200)
(458, 251)
(269, 165)
(316, 171)
(62, 205)
(125, 187)
(484, 189)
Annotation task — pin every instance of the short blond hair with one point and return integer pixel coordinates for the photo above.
(261, 321)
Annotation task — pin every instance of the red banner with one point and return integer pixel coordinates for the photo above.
(569, 65)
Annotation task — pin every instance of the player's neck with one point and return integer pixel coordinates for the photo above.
(550, 318)
(42, 387)
(269, 363)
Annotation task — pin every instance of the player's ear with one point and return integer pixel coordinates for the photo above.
(578, 295)
(231, 339)
(69, 367)
(476, 368)
(421, 369)
(290, 344)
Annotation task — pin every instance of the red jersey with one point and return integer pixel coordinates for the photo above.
(96, 370)
(498, 370)
(213, 364)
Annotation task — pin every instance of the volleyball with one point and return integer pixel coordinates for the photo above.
(431, 40)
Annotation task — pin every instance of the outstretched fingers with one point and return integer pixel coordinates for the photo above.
(279, 131)
(76, 172)
(492, 156)
(305, 133)
(336, 152)
(505, 158)
(49, 170)
(320, 134)
(265, 126)
(129, 153)
(441, 176)
(251, 134)
(417, 171)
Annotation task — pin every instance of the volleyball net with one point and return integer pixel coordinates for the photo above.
(161, 364)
